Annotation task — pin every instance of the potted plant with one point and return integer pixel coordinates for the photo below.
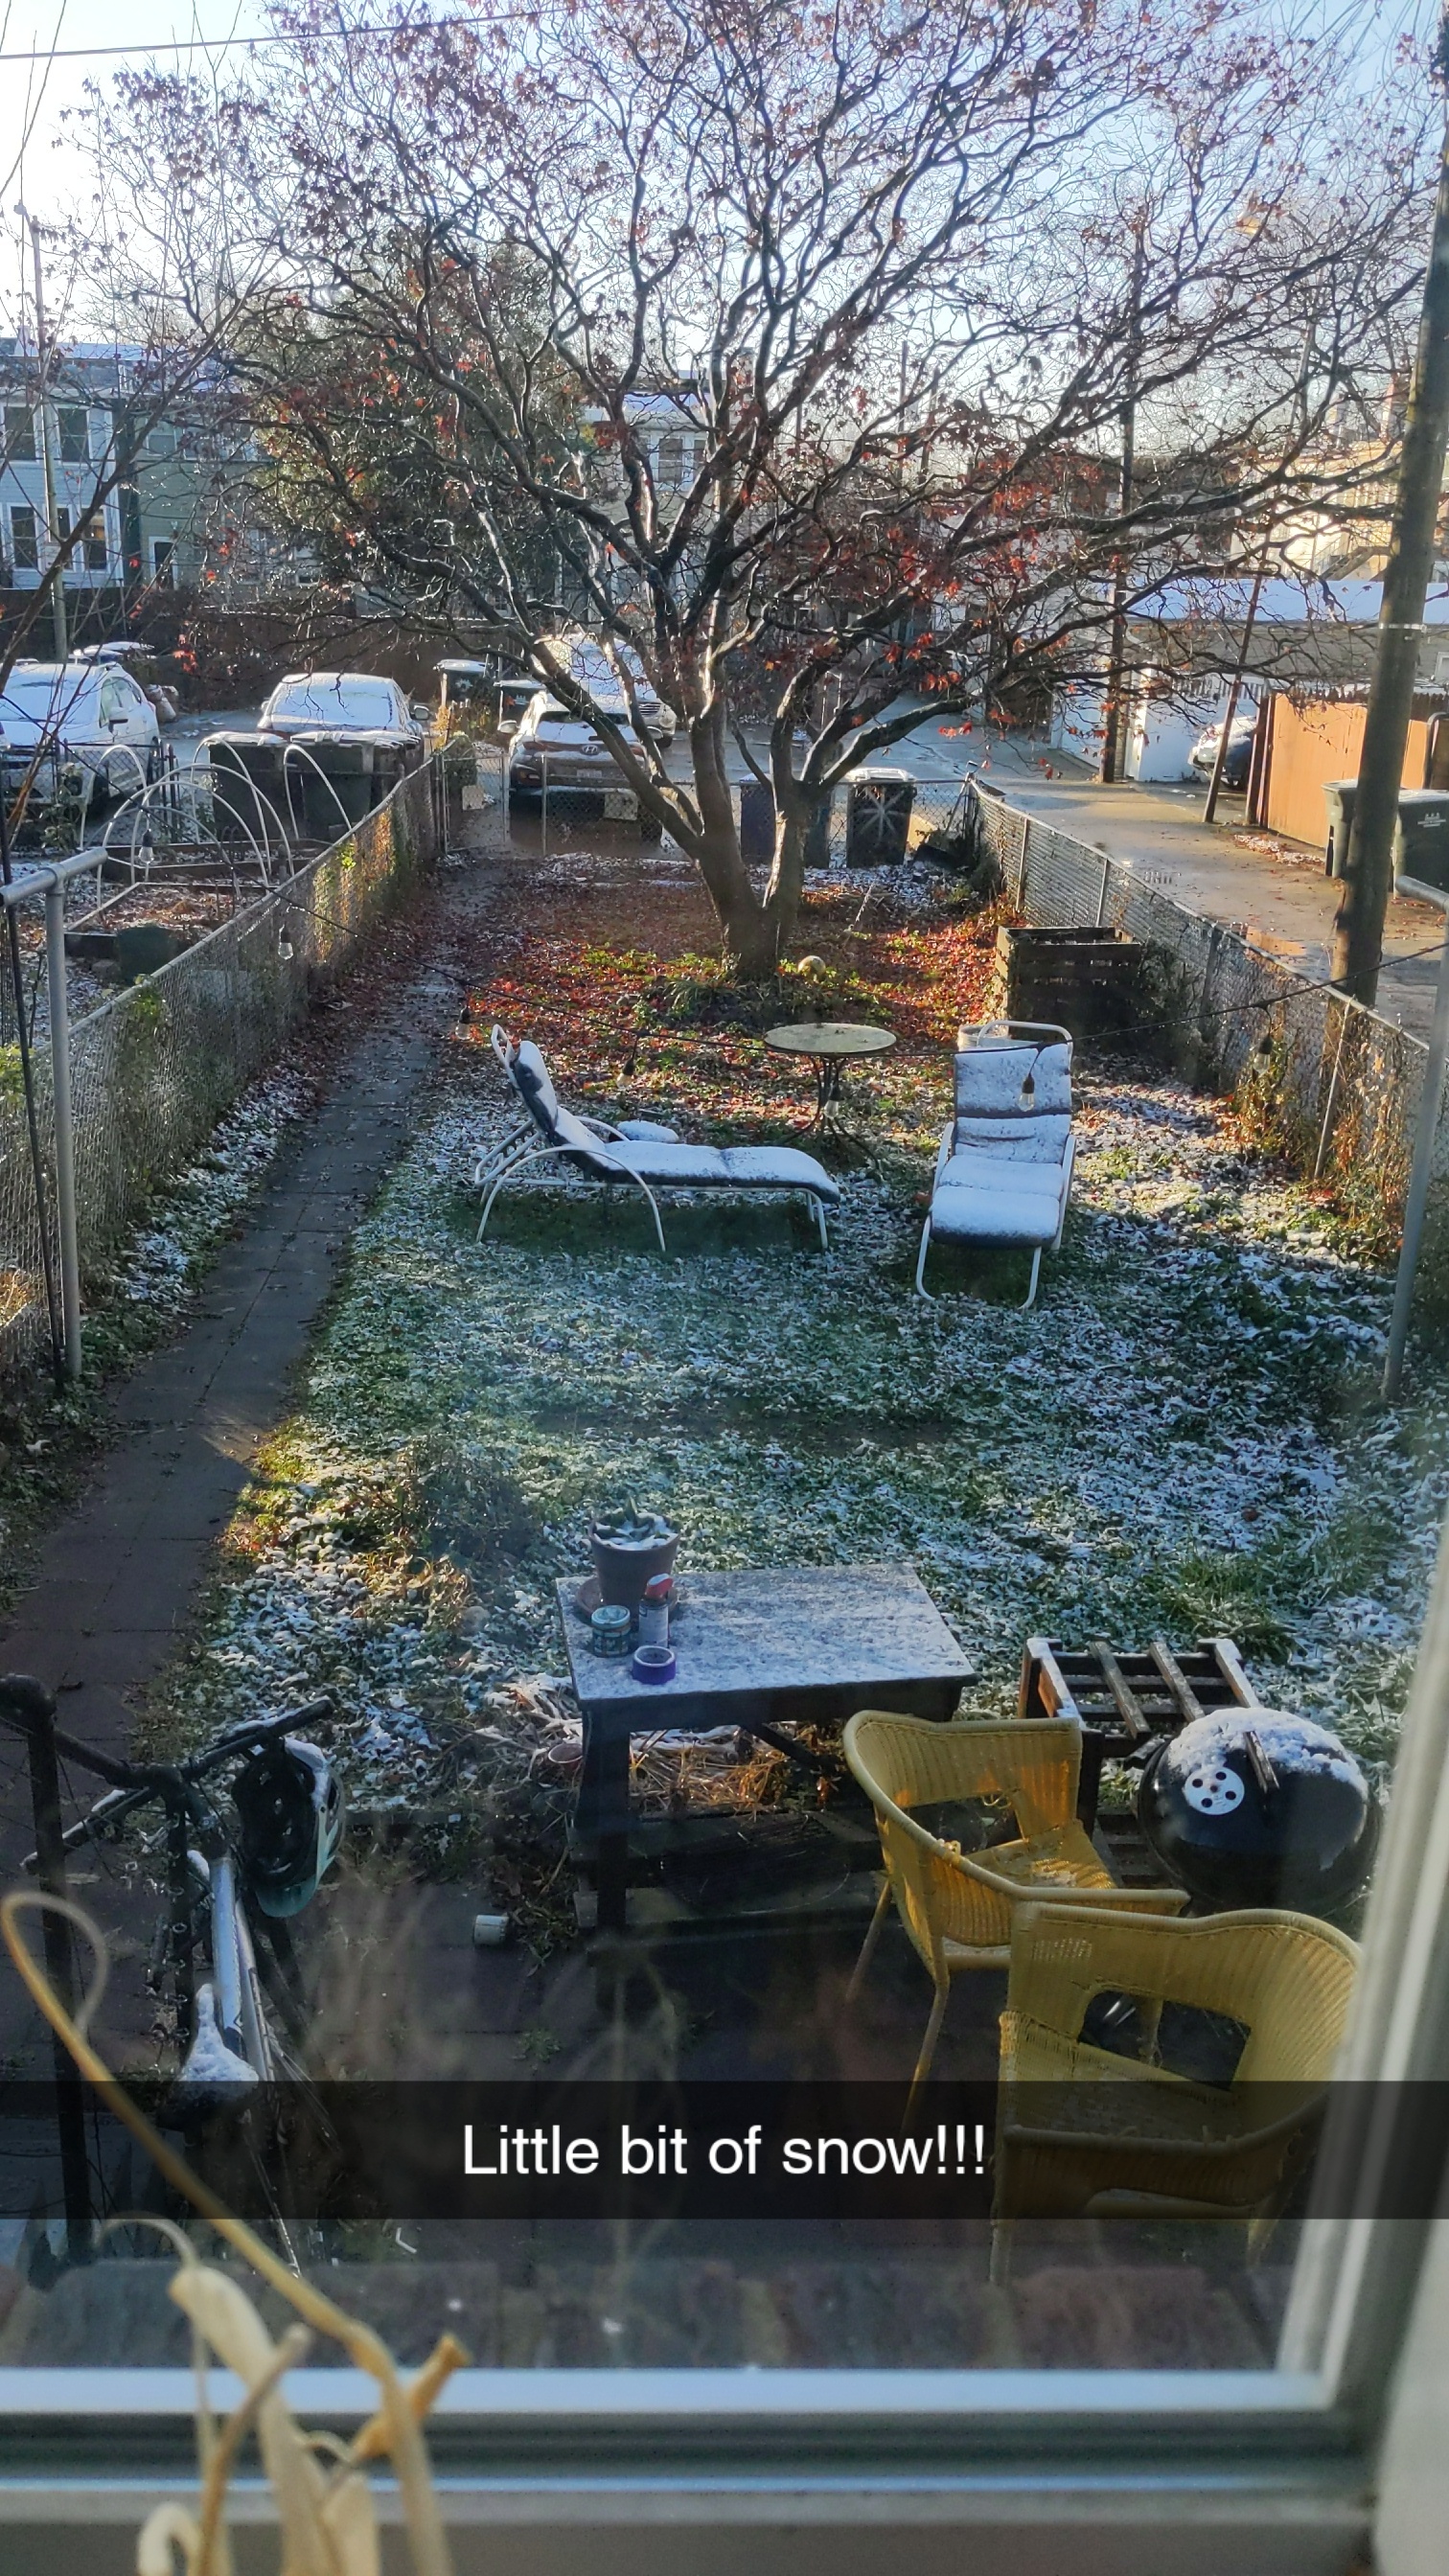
(629, 1547)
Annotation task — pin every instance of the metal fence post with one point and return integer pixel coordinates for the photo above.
(1431, 1101)
(64, 1126)
(543, 809)
(39, 1712)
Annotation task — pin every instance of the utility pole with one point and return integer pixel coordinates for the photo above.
(1358, 933)
(47, 454)
(1220, 758)
(1112, 710)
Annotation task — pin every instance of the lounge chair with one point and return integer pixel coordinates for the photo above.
(650, 1156)
(1004, 1171)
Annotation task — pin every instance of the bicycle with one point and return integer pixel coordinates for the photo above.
(234, 1880)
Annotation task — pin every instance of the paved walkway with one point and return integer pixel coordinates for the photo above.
(1285, 905)
(118, 1574)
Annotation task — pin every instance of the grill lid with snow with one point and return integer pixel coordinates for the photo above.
(1254, 1806)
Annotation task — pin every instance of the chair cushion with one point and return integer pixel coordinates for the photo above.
(1023, 1140)
(1015, 1079)
(529, 1076)
(646, 1131)
(979, 1199)
(739, 1167)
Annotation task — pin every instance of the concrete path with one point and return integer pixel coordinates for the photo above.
(1285, 905)
(118, 1574)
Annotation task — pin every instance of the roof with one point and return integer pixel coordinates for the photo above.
(1224, 599)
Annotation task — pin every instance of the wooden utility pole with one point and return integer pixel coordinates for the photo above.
(1112, 709)
(1358, 933)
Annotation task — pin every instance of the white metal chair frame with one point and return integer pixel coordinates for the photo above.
(517, 1150)
(951, 1145)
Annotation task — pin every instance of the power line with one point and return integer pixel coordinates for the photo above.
(227, 44)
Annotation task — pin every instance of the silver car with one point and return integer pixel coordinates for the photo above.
(344, 702)
(549, 738)
(86, 720)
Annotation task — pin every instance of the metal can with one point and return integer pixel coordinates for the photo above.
(654, 1611)
(609, 1629)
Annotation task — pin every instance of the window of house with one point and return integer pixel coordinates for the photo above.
(63, 525)
(24, 537)
(73, 424)
(98, 553)
(676, 460)
(161, 441)
(163, 560)
(19, 433)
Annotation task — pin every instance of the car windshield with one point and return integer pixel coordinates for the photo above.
(564, 729)
(33, 697)
(345, 702)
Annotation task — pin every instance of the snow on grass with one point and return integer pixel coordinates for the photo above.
(1182, 1436)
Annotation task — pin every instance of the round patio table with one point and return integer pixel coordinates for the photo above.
(830, 1045)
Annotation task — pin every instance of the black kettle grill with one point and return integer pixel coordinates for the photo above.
(1251, 1806)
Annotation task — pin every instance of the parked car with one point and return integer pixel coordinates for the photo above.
(345, 702)
(1240, 750)
(575, 755)
(85, 718)
(587, 662)
(143, 665)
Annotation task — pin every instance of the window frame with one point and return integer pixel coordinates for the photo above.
(1282, 2458)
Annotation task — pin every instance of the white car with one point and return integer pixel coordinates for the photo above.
(86, 716)
(344, 702)
(584, 658)
(549, 738)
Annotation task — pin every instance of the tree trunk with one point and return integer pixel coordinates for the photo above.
(748, 933)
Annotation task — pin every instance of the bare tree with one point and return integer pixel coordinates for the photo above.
(790, 349)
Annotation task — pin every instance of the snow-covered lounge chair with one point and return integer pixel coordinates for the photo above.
(1004, 1172)
(652, 1157)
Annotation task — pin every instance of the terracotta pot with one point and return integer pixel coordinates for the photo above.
(624, 1571)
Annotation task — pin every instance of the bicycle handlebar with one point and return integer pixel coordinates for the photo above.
(27, 1705)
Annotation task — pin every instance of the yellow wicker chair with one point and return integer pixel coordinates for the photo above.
(1178, 2148)
(958, 1906)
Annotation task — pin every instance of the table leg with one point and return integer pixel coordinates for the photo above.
(602, 1814)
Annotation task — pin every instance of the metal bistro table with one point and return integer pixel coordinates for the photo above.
(757, 1650)
(830, 1046)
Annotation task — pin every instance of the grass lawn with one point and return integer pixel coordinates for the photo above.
(1183, 1435)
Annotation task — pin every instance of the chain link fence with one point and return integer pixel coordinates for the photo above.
(1330, 1085)
(153, 1068)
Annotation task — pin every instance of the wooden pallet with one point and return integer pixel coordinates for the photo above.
(1124, 1700)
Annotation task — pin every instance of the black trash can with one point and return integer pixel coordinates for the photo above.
(1421, 843)
(249, 796)
(1338, 796)
(331, 780)
(817, 835)
(757, 820)
(878, 817)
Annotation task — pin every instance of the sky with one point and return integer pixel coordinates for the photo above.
(46, 171)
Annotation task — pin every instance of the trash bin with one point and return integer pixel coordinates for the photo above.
(817, 835)
(246, 777)
(878, 817)
(331, 780)
(757, 820)
(1338, 796)
(1421, 843)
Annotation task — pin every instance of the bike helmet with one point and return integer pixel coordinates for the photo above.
(290, 1804)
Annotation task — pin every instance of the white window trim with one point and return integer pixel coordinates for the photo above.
(1270, 2472)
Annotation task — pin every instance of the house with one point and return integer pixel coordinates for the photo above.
(1183, 645)
(170, 475)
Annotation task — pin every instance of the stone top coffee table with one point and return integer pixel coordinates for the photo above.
(758, 1650)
